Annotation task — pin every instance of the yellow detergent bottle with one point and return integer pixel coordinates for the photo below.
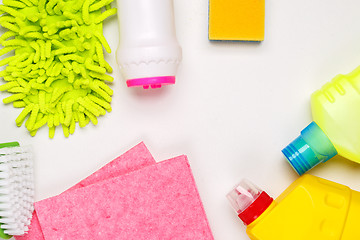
(311, 208)
(336, 126)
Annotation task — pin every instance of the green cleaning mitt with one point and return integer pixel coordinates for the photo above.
(57, 72)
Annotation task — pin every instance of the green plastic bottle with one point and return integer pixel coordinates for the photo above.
(336, 126)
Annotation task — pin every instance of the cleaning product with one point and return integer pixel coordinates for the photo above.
(335, 129)
(237, 20)
(149, 53)
(311, 208)
(57, 72)
(16, 189)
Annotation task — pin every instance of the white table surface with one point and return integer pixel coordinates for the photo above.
(234, 107)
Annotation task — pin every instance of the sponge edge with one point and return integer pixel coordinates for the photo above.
(237, 20)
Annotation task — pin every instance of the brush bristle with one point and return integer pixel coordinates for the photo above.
(16, 190)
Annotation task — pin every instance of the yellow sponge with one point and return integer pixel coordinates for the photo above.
(242, 20)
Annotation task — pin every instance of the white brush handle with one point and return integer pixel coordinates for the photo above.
(148, 46)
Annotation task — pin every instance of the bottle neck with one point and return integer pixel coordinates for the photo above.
(309, 149)
(254, 211)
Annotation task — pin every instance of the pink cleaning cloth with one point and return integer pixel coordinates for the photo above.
(134, 159)
(160, 201)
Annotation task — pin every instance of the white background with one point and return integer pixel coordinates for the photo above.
(234, 107)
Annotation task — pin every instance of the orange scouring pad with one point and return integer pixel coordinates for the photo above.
(237, 20)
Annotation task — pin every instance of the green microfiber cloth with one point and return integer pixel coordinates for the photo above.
(57, 72)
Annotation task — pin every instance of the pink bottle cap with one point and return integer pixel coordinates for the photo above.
(153, 82)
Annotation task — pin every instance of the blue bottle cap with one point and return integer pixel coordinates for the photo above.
(309, 149)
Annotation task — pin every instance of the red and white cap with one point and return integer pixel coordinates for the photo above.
(249, 201)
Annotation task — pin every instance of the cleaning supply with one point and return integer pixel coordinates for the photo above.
(16, 189)
(335, 129)
(57, 73)
(237, 20)
(119, 188)
(159, 201)
(136, 158)
(149, 53)
(311, 208)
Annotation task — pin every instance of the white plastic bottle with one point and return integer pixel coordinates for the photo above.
(148, 52)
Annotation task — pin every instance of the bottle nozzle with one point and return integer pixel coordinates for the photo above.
(309, 149)
(248, 201)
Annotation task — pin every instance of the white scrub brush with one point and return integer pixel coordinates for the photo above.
(16, 190)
